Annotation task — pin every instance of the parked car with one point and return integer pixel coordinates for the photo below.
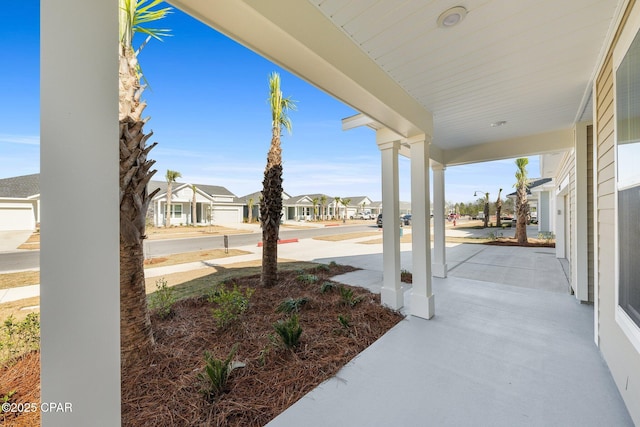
(365, 215)
(379, 221)
(406, 219)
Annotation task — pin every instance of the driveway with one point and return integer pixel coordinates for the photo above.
(10, 240)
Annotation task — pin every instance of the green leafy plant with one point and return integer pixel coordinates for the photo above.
(291, 305)
(344, 321)
(19, 337)
(547, 236)
(231, 304)
(333, 264)
(307, 278)
(217, 372)
(162, 300)
(289, 331)
(348, 297)
(323, 267)
(327, 287)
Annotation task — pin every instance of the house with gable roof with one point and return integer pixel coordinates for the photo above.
(20, 202)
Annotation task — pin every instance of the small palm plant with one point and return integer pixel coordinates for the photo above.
(289, 331)
(217, 372)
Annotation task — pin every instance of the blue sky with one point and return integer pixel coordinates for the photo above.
(208, 109)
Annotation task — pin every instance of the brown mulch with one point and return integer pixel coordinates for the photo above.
(22, 381)
(511, 241)
(163, 387)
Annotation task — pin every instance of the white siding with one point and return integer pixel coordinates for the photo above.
(621, 356)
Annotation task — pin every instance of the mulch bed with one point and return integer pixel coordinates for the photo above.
(163, 389)
(511, 241)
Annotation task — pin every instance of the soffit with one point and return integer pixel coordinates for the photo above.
(527, 62)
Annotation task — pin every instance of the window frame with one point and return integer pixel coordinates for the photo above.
(632, 28)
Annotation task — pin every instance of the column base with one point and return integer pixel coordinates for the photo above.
(439, 270)
(392, 298)
(423, 306)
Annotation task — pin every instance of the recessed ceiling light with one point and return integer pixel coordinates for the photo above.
(498, 124)
(451, 17)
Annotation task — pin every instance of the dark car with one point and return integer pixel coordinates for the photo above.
(379, 221)
(406, 219)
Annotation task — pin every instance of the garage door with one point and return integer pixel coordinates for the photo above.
(16, 218)
(225, 216)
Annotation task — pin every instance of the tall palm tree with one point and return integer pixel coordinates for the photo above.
(135, 327)
(323, 203)
(522, 207)
(345, 203)
(171, 177)
(194, 205)
(271, 204)
(315, 201)
(499, 210)
(250, 209)
(336, 206)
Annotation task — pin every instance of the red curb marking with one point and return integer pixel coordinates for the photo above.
(282, 241)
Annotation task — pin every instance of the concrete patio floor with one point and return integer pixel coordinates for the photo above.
(508, 347)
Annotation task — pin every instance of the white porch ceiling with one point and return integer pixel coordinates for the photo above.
(530, 63)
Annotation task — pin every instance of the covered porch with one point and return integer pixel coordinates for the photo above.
(508, 347)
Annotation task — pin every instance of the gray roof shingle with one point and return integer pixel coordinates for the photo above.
(20, 186)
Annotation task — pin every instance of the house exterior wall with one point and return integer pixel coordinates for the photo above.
(18, 214)
(590, 225)
(621, 355)
(567, 175)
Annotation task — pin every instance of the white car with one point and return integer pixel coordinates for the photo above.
(364, 215)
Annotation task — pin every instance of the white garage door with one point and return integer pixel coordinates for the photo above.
(16, 218)
(225, 216)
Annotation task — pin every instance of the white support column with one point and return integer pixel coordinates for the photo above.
(422, 299)
(579, 226)
(79, 263)
(391, 293)
(439, 261)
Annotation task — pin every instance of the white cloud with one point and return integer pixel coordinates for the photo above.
(20, 139)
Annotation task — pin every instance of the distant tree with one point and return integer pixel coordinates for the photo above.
(336, 207)
(522, 206)
(486, 210)
(345, 203)
(250, 208)
(323, 204)
(271, 204)
(315, 201)
(508, 206)
(171, 177)
(194, 211)
(499, 209)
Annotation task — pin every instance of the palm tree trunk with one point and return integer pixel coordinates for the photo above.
(521, 209)
(167, 219)
(271, 211)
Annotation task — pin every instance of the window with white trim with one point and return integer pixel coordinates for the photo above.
(176, 211)
(628, 179)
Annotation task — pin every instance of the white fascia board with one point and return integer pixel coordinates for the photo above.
(295, 35)
(530, 145)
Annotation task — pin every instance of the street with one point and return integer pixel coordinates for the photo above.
(30, 260)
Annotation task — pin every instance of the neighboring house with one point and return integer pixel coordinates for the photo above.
(214, 204)
(20, 203)
(255, 212)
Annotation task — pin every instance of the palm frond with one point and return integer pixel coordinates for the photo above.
(135, 13)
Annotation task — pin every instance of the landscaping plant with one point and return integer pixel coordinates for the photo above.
(217, 372)
(162, 300)
(230, 304)
(289, 331)
(291, 305)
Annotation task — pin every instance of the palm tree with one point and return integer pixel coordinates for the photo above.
(315, 202)
(271, 204)
(323, 203)
(135, 328)
(336, 207)
(194, 211)
(522, 207)
(171, 177)
(498, 210)
(250, 208)
(345, 203)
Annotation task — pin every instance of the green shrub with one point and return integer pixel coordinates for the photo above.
(307, 278)
(217, 372)
(17, 338)
(291, 305)
(230, 304)
(348, 297)
(162, 299)
(323, 267)
(326, 287)
(547, 236)
(289, 331)
(406, 276)
(344, 321)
